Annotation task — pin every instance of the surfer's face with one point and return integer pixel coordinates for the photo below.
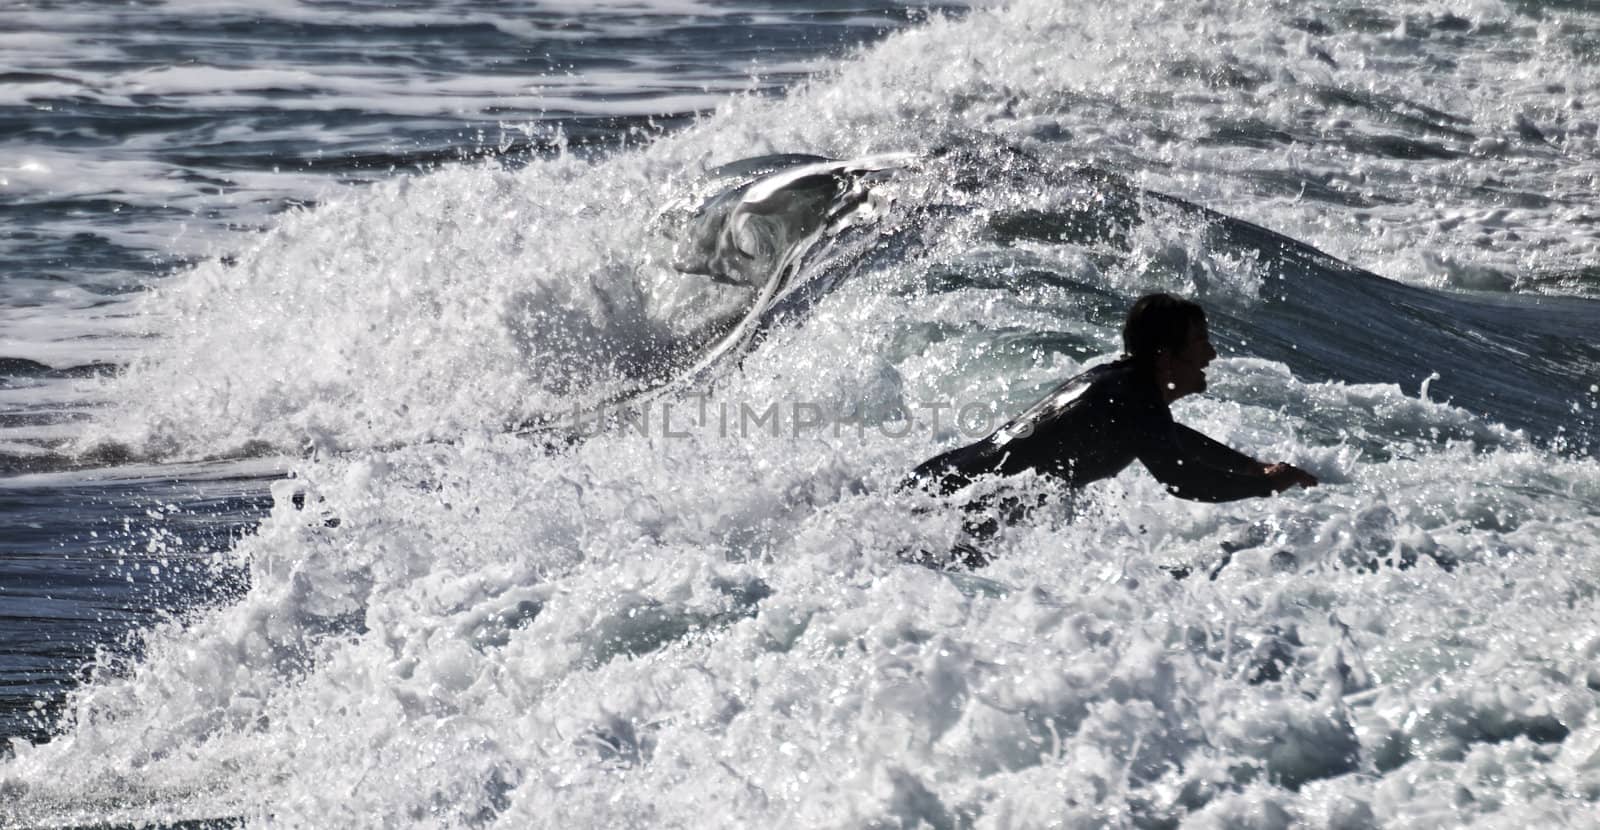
(1183, 372)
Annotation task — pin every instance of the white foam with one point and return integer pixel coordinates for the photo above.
(574, 636)
(502, 588)
(154, 178)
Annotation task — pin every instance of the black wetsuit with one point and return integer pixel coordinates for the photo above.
(1092, 427)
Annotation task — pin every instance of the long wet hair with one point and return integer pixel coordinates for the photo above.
(1158, 323)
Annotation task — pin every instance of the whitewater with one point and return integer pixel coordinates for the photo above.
(579, 473)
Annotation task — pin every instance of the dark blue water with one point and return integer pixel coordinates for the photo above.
(84, 565)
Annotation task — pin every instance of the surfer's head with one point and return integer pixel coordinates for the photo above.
(1168, 336)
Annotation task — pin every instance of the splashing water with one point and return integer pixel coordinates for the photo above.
(700, 618)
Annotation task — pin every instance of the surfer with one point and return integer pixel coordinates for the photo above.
(1095, 424)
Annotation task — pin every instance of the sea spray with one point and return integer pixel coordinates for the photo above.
(715, 628)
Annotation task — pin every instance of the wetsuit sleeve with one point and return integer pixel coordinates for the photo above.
(1196, 470)
(1214, 452)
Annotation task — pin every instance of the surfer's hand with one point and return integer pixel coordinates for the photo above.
(1283, 476)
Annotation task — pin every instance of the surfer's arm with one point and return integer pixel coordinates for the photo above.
(1215, 453)
(1197, 471)
(1281, 476)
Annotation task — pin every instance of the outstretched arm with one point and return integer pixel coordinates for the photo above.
(1215, 453)
(1199, 468)
(1283, 476)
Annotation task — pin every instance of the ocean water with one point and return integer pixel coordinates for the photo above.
(492, 417)
(142, 140)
